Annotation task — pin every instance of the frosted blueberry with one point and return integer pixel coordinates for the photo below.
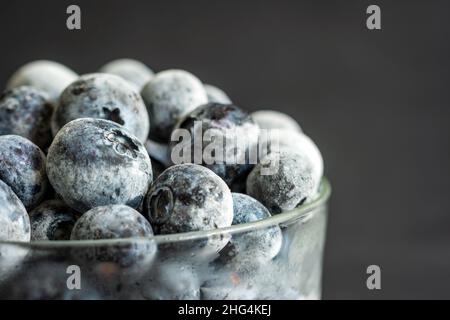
(52, 220)
(22, 167)
(168, 96)
(285, 189)
(95, 162)
(262, 244)
(103, 96)
(270, 119)
(302, 144)
(48, 76)
(14, 226)
(116, 222)
(189, 197)
(216, 95)
(25, 111)
(226, 134)
(131, 70)
(14, 220)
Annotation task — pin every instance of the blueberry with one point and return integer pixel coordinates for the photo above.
(270, 119)
(94, 162)
(25, 111)
(216, 95)
(22, 167)
(233, 133)
(15, 223)
(302, 144)
(131, 70)
(14, 226)
(52, 220)
(103, 96)
(189, 197)
(168, 96)
(48, 76)
(287, 187)
(262, 244)
(115, 222)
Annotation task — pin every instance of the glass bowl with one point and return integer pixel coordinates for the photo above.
(275, 258)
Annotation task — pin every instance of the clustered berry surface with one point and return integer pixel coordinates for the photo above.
(89, 158)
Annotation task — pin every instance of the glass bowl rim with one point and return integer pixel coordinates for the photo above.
(304, 212)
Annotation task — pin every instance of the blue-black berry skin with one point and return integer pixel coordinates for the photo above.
(116, 222)
(131, 70)
(168, 96)
(22, 167)
(52, 220)
(48, 76)
(26, 111)
(103, 96)
(289, 186)
(189, 197)
(94, 162)
(227, 123)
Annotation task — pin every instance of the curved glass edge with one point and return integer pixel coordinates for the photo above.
(303, 212)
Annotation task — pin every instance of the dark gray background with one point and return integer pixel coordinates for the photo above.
(376, 103)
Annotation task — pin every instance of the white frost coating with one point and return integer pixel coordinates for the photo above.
(270, 119)
(302, 144)
(131, 70)
(169, 96)
(47, 76)
(14, 226)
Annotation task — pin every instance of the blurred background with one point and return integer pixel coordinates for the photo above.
(375, 102)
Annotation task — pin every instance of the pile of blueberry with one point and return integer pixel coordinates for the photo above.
(89, 157)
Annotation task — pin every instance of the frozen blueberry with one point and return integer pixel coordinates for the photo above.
(131, 70)
(269, 119)
(168, 96)
(25, 111)
(297, 142)
(216, 95)
(222, 135)
(284, 187)
(116, 222)
(48, 76)
(103, 96)
(14, 226)
(262, 244)
(22, 167)
(15, 223)
(52, 220)
(95, 162)
(189, 197)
